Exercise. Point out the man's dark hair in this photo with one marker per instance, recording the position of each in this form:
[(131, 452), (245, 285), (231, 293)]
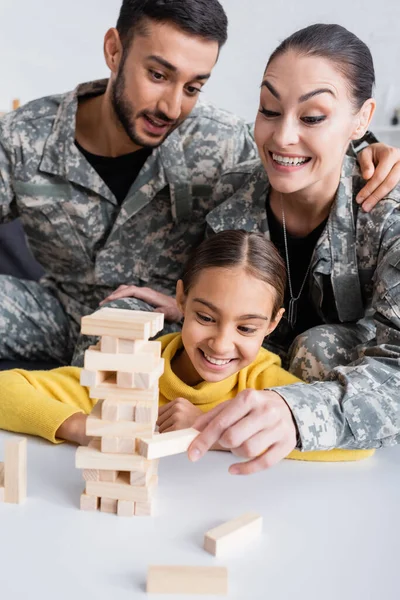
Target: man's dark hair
[(203, 18)]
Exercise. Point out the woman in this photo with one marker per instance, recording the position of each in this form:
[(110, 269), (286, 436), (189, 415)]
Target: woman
[(343, 264)]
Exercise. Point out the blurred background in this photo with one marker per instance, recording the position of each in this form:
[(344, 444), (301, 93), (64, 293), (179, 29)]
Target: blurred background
[(48, 46)]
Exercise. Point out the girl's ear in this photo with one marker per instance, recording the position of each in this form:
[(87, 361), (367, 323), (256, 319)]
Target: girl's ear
[(363, 119), (180, 296), (274, 324)]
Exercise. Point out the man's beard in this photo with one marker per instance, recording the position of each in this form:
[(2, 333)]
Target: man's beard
[(125, 114)]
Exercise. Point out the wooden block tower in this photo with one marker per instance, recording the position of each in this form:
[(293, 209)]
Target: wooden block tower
[(122, 371)]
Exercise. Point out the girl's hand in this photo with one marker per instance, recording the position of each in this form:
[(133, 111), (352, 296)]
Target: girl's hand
[(161, 302), (380, 164), (178, 414), (257, 425)]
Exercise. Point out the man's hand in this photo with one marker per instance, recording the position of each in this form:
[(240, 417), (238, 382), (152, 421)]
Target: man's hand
[(257, 425), (380, 164), (161, 302), (178, 414)]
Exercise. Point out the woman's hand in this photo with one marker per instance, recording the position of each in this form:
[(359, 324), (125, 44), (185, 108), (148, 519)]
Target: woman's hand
[(178, 414), (161, 302), (257, 425), (380, 164)]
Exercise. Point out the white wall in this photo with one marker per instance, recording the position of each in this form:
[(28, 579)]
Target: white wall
[(47, 46)]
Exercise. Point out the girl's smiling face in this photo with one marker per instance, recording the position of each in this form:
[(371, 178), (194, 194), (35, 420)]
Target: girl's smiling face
[(227, 314)]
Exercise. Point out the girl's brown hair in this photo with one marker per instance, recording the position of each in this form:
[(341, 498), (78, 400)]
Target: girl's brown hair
[(235, 248)]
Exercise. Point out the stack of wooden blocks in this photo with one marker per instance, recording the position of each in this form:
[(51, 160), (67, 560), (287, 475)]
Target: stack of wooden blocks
[(122, 371)]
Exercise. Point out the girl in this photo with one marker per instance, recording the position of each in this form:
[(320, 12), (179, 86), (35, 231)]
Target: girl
[(230, 294)]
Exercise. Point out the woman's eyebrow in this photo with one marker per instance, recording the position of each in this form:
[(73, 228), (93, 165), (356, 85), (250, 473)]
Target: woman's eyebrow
[(315, 93), (303, 98)]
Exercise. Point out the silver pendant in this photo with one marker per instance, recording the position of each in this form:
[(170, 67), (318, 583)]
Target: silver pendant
[(292, 312)]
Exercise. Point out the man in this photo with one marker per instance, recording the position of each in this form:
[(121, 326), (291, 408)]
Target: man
[(113, 181)]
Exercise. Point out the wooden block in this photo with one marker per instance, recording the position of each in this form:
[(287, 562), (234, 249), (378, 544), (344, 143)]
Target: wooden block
[(143, 380), (167, 444), (122, 490), (233, 534), (112, 413), (122, 429), (138, 478), (110, 391), (109, 505), (125, 508), (113, 345), (109, 344), (91, 475), (90, 457), (95, 360), (139, 347), (89, 502), (122, 323), (15, 470), (126, 445), (171, 579), (1, 482), (135, 316), (110, 476), (109, 445), (146, 413), (144, 509), (94, 378)]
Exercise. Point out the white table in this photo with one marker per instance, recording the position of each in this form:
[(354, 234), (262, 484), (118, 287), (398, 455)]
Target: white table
[(331, 531)]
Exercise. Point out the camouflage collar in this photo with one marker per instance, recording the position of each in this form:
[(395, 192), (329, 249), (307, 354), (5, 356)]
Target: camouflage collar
[(166, 165), (245, 209)]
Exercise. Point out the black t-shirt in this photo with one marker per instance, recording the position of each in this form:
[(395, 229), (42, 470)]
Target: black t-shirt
[(300, 250), (120, 172)]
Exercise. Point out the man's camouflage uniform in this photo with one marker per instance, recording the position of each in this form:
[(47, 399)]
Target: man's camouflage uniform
[(86, 242), (356, 263)]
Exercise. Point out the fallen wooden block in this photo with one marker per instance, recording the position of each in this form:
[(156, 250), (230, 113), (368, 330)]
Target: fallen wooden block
[(92, 458), (122, 490), (234, 534), (171, 579), (166, 444), (15, 470)]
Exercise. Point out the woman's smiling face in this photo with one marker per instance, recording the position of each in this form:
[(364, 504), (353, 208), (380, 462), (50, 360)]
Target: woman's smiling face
[(305, 122)]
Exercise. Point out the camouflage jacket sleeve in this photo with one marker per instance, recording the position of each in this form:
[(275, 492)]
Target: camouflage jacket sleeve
[(358, 406), (7, 200)]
